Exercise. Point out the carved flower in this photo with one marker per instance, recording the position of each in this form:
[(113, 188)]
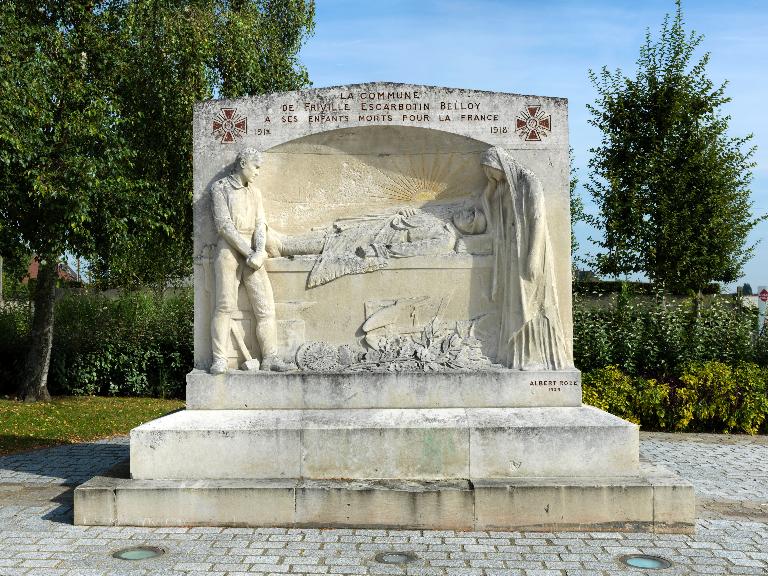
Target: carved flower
[(317, 356)]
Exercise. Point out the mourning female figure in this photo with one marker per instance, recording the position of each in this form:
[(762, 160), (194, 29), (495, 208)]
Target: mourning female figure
[(531, 335)]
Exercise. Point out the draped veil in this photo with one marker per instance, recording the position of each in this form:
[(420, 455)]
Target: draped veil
[(531, 335)]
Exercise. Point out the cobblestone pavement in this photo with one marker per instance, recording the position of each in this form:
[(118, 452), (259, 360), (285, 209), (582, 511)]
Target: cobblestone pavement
[(730, 475)]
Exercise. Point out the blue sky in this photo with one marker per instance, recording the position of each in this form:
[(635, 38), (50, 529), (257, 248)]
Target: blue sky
[(547, 48)]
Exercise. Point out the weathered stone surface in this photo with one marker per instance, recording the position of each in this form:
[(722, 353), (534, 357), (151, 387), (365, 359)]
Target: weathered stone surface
[(221, 444), (385, 504), (388, 443), (444, 443), (95, 503), (606, 503), (674, 503), (237, 390), (200, 503), (551, 504), (541, 442)]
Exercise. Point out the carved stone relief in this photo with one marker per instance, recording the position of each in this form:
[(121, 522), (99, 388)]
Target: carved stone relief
[(359, 244), (506, 221), (531, 335), (238, 214), (434, 349)]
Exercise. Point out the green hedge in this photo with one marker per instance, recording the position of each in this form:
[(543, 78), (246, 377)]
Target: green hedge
[(602, 287), (138, 344), (15, 320), (707, 397), (656, 338), (674, 365)]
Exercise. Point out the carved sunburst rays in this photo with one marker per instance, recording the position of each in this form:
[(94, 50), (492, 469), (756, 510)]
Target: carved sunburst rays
[(305, 191), (420, 178)]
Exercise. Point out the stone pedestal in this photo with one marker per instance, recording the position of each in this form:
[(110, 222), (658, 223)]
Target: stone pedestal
[(311, 450), (375, 444), (652, 500)]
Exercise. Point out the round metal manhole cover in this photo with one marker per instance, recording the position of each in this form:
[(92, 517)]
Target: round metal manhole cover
[(395, 557), (138, 553), (645, 562)]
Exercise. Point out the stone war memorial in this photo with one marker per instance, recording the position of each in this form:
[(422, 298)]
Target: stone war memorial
[(383, 329)]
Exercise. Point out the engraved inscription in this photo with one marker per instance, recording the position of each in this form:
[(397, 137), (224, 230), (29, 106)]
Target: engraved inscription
[(553, 385), (416, 107)]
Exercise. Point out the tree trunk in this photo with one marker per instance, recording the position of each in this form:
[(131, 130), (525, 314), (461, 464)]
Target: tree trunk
[(34, 383)]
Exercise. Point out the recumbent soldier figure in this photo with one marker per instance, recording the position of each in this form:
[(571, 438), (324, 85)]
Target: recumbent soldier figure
[(239, 219)]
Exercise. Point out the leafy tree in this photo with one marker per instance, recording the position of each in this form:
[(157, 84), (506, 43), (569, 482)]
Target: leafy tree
[(14, 266), (577, 204), (61, 158), (95, 129), (746, 290), (173, 54), (672, 187)]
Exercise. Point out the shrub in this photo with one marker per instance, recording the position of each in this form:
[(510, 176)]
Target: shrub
[(139, 344), (708, 397), (651, 403), (592, 347), (611, 390), (15, 319), (656, 338), (725, 398)]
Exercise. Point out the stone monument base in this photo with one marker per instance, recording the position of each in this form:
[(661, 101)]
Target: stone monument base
[(385, 444), (238, 390), (297, 457), (654, 500)]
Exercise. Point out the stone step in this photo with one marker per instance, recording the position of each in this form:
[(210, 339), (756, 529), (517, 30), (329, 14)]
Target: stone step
[(239, 390), (408, 444), (653, 500)]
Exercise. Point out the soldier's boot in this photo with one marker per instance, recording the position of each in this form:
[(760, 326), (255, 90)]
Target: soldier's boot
[(219, 366)]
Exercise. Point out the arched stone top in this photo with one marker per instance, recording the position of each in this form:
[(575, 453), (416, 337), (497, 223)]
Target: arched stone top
[(343, 156), (514, 121)]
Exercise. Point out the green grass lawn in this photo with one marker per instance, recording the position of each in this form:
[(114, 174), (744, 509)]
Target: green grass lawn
[(70, 419)]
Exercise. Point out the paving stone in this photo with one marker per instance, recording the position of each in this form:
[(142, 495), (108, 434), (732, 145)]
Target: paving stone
[(728, 471), (348, 570)]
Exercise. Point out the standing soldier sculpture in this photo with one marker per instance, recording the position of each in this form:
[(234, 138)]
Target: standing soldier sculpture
[(238, 215)]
